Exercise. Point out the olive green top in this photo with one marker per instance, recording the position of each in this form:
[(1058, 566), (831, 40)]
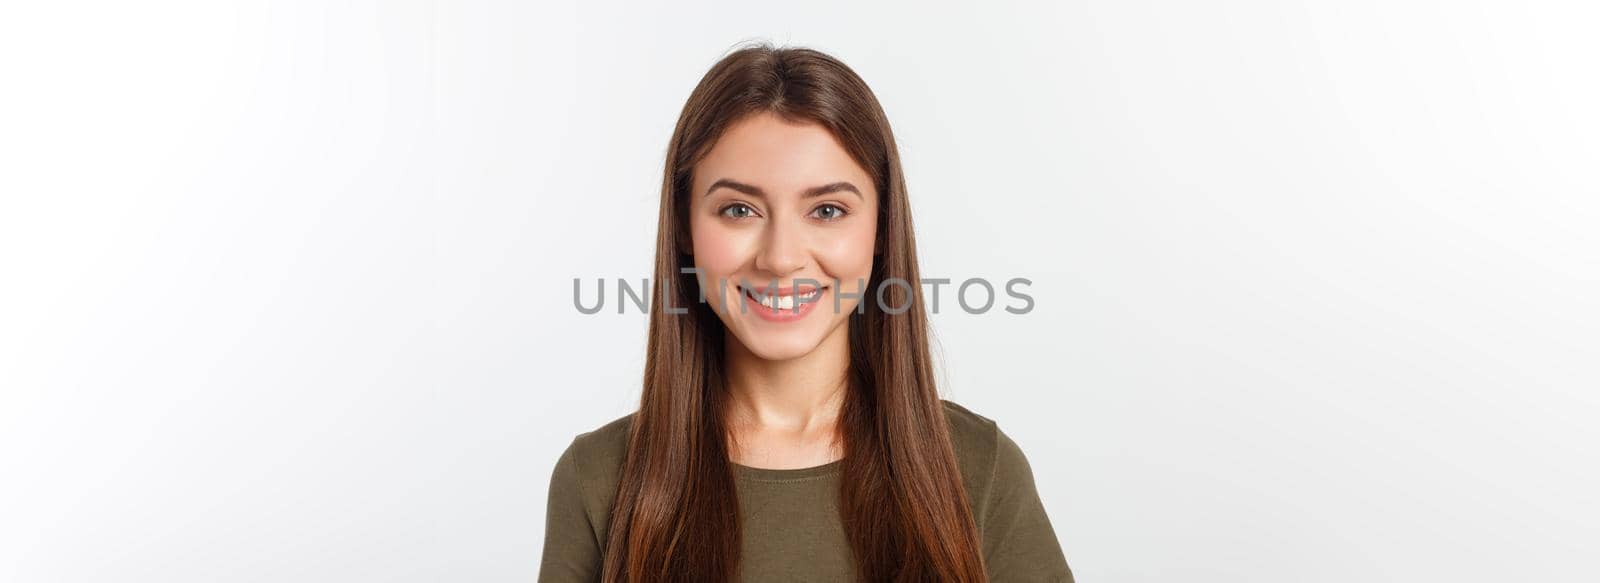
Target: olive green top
[(790, 526)]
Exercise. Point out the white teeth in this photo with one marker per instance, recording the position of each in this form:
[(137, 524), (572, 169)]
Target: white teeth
[(776, 302)]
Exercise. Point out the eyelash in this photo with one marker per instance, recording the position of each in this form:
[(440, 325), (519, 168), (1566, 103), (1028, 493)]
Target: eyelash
[(842, 212)]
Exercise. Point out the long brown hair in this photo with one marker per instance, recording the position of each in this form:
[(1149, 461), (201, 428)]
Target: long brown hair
[(902, 503)]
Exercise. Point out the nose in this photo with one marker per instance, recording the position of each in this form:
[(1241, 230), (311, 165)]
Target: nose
[(783, 250)]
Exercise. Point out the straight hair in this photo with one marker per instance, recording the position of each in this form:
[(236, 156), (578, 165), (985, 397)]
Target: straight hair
[(901, 498)]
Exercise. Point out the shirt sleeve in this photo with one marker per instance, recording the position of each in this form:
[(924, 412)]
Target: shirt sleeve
[(571, 549), (1019, 543)]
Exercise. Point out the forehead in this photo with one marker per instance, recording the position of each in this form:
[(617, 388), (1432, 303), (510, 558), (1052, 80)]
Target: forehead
[(781, 156)]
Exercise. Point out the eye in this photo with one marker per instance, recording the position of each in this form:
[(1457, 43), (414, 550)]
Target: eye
[(737, 210), (829, 212)]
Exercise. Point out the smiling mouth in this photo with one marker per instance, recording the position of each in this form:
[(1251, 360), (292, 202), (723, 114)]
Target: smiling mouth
[(776, 301)]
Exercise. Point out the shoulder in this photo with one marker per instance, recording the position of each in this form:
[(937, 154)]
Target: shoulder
[(593, 462), (603, 446), (989, 459), (975, 438), (973, 435), (1019, 542)]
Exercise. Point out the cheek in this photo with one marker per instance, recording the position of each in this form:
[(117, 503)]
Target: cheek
[(718, 249), (848, 254)]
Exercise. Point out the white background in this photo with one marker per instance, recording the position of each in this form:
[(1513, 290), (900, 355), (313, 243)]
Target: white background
[(286, 288)]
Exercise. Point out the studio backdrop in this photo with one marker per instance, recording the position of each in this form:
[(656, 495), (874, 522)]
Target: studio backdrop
[(287, 289)]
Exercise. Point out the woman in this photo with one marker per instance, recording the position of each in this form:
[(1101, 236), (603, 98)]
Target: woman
[(789, 427)]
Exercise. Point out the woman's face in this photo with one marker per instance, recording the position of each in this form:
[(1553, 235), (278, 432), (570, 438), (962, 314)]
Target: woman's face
[(781, 208)]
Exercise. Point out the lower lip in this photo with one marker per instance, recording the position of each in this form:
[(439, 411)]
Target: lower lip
[(782, 314)]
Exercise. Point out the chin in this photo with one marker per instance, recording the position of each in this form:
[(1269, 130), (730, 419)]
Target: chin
[(779, 348)]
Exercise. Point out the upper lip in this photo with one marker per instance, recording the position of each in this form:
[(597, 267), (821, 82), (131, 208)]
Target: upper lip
[(781, 291)]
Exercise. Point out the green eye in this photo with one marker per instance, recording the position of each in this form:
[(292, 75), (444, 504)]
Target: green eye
[(738, 210), (828, 212)]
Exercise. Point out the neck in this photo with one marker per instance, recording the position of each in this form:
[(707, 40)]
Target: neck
[(802, 394)]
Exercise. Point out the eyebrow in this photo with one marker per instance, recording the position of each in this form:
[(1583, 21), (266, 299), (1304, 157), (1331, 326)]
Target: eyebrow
[(814, 191)]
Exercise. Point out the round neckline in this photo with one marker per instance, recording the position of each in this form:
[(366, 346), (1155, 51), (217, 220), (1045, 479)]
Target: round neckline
[(786, 475)]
